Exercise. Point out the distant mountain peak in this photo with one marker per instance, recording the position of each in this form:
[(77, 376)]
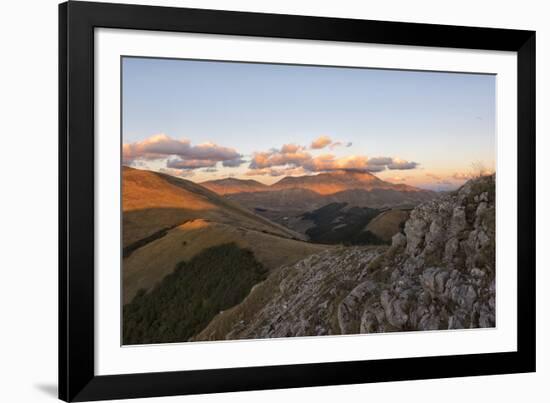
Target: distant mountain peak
[(338, 181)]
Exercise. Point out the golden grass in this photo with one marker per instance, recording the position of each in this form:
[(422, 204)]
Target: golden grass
[(146, 266), (145, 190), (387, 224), (152, 202)]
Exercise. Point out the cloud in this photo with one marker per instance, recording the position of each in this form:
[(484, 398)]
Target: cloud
[(277, 171), (291, 148), (320, 142), (161, 146), (380, 161), (154, 147), (402, 164), (286, 156), (329, 162), (276, 162), (233, 163), (340, 144), (181, 157)]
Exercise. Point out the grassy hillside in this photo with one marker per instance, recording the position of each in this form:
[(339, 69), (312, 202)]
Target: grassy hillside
[(153, 202), (187, 299), (147, 265), (388, 223)]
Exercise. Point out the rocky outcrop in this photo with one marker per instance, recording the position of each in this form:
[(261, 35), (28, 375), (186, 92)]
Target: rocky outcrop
[(442, 267), (438, 274)]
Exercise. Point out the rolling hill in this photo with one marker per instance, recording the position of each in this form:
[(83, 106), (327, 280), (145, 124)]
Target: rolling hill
[(167, 220)]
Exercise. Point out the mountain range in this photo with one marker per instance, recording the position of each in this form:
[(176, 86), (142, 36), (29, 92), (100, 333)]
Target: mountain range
[(326, 183), (286, 201)]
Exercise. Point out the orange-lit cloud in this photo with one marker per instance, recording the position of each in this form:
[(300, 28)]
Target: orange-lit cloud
[(291, 148), (320, 142), (292, 156), (177, 156), (161, 146), (287, 155)]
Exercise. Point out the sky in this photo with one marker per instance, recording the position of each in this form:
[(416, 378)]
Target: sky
[(206, 120)]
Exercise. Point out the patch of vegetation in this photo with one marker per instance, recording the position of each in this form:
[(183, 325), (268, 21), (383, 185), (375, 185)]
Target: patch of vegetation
[(336, 224), (186, 300)]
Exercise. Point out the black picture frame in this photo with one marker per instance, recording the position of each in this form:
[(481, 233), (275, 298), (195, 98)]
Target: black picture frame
[(77, 379)]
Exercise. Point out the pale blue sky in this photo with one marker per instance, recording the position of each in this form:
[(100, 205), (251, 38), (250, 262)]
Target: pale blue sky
[(443, 121)]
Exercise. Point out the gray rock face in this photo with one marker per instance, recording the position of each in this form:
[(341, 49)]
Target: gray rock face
[(448, 265), (439, 274)]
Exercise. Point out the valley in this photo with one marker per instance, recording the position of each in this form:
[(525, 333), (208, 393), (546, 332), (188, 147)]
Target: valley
[(294, 201)]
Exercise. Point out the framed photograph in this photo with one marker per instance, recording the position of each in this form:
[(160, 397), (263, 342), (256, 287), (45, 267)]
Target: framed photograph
[(257, 201)]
